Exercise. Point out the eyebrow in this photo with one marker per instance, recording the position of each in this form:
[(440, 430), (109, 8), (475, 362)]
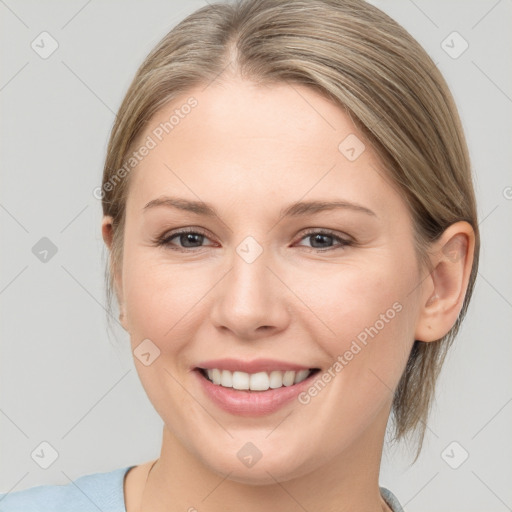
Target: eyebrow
[(293, 210)]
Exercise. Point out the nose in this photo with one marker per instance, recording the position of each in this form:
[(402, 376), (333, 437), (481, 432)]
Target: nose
[(250, 301)]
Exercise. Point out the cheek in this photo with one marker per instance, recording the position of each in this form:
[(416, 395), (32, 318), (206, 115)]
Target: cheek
[(369, 310), (161, 296), (372, 316), (353, 297), (161, 301)]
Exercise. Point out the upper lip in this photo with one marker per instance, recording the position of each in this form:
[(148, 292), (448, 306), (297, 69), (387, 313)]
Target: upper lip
[(254, 366)]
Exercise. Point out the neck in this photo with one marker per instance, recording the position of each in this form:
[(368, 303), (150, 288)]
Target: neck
[(180, 481)]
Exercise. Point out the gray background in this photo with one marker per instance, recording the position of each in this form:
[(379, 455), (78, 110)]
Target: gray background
[(66, 381)]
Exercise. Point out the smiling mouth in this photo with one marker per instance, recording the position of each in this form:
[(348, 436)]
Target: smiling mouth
[(260, 381)]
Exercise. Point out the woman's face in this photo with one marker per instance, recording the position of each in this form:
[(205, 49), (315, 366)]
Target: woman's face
[(336, 289)]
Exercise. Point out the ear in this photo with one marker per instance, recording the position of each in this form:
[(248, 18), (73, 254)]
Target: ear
[(107, 233), (444, 289)]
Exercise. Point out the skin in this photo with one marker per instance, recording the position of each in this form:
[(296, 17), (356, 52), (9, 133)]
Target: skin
[(250, 150)]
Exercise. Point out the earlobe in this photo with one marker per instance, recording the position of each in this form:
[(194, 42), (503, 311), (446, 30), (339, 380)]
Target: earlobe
[(122, 319), (445, 288)]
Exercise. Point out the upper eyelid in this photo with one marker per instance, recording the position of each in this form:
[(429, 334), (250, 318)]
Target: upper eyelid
[(310, 231)]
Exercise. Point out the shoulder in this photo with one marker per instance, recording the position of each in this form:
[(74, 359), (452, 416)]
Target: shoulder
[(96, 491), (391, 500)]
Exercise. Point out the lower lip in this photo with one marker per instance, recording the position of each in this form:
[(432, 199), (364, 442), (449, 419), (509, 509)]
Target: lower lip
[(251, 403)]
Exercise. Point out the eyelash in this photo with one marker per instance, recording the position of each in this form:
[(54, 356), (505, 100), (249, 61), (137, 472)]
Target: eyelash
[(165, 240)]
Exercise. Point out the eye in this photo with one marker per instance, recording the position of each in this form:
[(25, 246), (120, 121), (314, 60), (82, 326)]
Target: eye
[(319, 239), (189, 238), (193, 239)]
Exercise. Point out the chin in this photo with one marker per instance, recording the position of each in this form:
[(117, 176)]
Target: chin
[(278, 466), (258, 476)]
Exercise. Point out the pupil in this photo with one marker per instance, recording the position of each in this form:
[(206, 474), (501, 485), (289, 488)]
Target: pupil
[(189, 237), (318, 238)]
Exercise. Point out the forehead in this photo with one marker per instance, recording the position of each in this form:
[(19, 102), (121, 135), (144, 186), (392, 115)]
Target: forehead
[(238, 140)]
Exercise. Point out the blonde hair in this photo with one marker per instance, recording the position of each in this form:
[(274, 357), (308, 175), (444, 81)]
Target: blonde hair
[(356, 55)]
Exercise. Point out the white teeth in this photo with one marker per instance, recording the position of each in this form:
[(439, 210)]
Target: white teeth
[(276, 379), (216, 376), (288, 378), (301, 375), (260, 381), (226, 379), (240, 380)]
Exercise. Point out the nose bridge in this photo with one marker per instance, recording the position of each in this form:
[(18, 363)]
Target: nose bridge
[(250, 297), (249, 281)]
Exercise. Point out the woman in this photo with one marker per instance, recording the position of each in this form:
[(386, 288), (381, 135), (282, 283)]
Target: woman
[(293, 238)]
